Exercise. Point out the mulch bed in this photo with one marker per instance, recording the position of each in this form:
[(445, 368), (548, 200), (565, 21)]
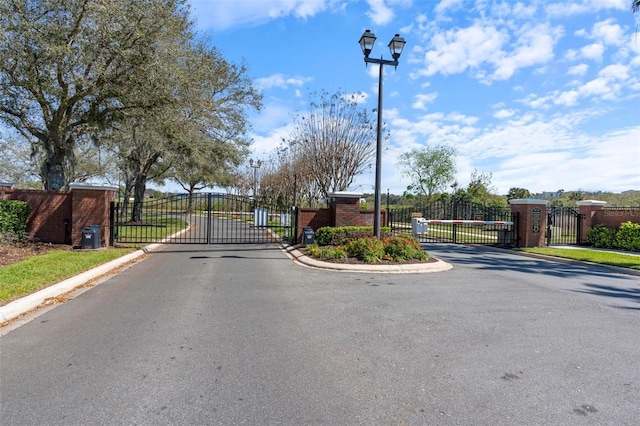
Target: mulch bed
[(14, 253), (355, 261)]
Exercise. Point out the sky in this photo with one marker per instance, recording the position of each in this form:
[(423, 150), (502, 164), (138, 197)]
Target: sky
[(544, 95)]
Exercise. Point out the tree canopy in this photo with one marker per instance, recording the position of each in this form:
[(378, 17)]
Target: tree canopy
[(430, 169)]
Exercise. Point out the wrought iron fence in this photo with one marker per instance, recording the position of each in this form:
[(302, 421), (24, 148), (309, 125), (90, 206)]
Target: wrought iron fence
[(458, 223)]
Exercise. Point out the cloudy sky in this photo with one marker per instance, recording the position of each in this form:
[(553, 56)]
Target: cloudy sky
[(545, 95)]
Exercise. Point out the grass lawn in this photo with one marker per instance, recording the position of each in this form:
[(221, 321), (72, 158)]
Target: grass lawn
[(604, 257), (38, 272)]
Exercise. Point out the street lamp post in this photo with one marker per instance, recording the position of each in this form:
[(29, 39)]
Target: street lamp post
[(255, 176), (395, 47)]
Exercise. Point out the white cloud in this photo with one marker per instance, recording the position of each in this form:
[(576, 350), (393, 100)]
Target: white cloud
[(446, 5), (421, 100), (569, 8), (615, 72), (281, 81), (220, 15), (609, 33), (484, 48), (580, 69), (504, 113), (593, 51), (456, 50), (534, 46), (380, 13)]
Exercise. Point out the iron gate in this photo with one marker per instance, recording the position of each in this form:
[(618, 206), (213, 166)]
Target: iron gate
[(563, 226), (202, 218), (458, 223)]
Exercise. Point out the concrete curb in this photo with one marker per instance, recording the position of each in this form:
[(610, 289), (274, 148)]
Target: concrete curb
[(411, 268)]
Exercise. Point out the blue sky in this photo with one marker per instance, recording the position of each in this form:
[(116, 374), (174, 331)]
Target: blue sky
[(543, 95)]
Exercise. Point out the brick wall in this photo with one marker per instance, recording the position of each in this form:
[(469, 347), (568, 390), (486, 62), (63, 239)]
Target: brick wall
[(59, 217), (50, 218), (595, 213), (315, 218)]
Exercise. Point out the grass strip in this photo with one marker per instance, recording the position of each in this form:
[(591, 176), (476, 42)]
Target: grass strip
[(38, 272), (595, 256)]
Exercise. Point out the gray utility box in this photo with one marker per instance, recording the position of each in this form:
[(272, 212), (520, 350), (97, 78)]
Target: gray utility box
[(308, 236), (91, 237), (419, 226)]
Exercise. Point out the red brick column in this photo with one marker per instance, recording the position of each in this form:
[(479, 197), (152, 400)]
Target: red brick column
[(91, 206), (587, 210), (532, 221), (346, 207)]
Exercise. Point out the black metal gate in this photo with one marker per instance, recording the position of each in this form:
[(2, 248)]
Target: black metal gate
[(563, 226), (458, 223), (202, 218)]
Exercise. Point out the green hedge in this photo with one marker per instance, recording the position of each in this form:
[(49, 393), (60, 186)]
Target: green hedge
[(14, 216), (329, 236), (626, 237)]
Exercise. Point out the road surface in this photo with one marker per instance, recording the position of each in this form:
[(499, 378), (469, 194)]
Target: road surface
[(232, 334)]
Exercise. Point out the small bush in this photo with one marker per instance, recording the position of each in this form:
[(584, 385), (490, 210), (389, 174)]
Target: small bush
[(14, 216), (628, 236), (602, 237), (402, 248), (369, 249), (330, 236)]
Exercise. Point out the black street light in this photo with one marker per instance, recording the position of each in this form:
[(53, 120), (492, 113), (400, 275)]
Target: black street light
[(255, 176), (395, 47)]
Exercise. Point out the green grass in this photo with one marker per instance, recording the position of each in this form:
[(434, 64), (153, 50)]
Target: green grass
[(161, 228), (38, 272), (595, 256)]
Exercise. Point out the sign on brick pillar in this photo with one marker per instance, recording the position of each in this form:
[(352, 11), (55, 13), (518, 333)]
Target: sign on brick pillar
[(90, 206), (532, 221)]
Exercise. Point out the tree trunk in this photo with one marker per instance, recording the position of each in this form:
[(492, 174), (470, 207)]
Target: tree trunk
[(53, 171), (139, 188)]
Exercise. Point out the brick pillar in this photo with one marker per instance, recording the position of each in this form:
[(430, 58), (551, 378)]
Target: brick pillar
[(90, 205), (587, 210), (532, 222), (346, 208)]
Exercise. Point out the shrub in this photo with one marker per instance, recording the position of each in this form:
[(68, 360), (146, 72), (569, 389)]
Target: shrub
[(601, 236), (402, 248), (628, 236), (369, 249), (332, 236), (14, 216)]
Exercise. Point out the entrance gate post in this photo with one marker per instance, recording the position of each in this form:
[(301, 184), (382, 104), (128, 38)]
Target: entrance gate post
[(532, 222)]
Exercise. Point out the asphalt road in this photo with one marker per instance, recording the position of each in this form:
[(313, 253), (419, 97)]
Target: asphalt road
[(228, 335)]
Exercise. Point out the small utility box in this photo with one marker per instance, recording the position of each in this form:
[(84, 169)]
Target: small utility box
[(91, 237), (308, 236), (419, 226), (260, 217)]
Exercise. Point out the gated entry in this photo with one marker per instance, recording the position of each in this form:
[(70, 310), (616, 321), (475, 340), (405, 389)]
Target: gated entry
[(458, 223), (203, 218), (563, 226)]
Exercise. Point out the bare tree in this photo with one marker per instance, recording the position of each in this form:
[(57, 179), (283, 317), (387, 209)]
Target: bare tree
[(335, 138)]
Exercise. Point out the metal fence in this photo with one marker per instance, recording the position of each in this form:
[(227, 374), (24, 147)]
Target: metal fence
[(458, 223)]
